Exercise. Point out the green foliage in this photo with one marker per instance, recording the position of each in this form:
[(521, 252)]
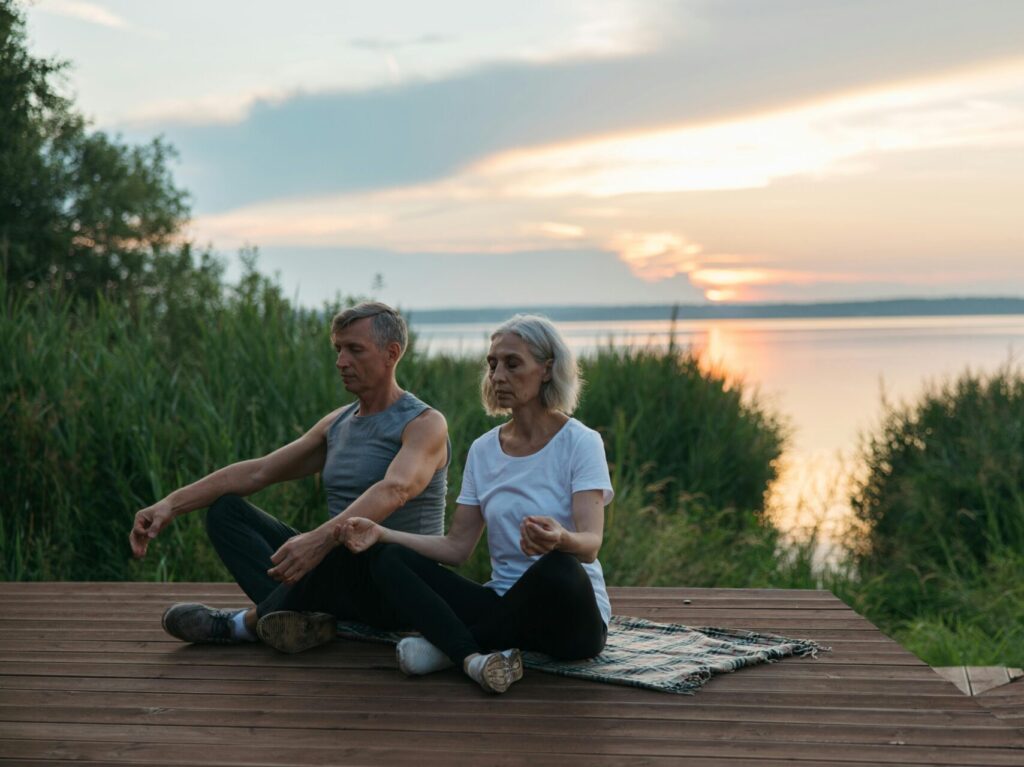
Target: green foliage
[(944, 486), (973, 617), (693, 431), (940, 564), (105, 414), (77, 207), (697, 545)]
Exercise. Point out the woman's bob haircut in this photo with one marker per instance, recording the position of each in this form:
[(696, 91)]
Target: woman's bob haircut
[(545, 343)]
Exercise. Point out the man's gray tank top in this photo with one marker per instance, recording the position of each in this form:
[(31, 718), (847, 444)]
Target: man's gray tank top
[(359, 451)]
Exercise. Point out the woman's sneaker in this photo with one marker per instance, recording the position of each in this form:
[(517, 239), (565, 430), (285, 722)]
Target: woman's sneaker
[(497, 671), (515, 663), (292, 632), (417, 656), (192, 622)]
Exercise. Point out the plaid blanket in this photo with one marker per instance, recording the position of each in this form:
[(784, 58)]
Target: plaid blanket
[(668, 657)]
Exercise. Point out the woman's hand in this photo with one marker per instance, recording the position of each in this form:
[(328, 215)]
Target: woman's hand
[(359, 533), (298, 555), (539, 535)]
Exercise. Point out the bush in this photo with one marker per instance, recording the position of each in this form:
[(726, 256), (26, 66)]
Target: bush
[(944, 485), (692, 430), (942, 512)]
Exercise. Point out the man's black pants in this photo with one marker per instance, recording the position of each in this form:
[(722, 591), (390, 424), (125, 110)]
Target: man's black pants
[(245, 537)]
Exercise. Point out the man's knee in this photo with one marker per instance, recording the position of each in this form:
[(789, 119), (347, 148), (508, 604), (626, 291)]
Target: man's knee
[(223, 512), (387, 559)]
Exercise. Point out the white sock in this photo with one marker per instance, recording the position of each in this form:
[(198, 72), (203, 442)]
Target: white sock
[(417, 655), (239, 630)]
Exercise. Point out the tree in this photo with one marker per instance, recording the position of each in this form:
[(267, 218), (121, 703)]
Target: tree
[(78, 208)]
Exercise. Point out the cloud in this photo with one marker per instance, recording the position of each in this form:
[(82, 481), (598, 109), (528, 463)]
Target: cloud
[(741, 59), (493, 205), (561, 231), (659, 256), (836, 135), (93, 13), (655, 256), (378, 44)]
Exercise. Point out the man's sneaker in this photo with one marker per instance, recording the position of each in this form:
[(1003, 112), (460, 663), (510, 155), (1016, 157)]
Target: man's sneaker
[(417, 655), (496, 672), (191, 622), (289, 631)]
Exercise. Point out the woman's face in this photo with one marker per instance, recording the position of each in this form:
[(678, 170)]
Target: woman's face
[(514, 374)]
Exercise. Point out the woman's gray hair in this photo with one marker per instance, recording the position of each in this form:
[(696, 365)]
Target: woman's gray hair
[(387, 326), (545, 343)]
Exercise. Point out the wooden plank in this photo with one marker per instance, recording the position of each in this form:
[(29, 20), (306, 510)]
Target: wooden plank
[(90, 610), (342, 655), (495, 720), (151, 632), (785, 626), (670, 709), (317, 663), (957, 675), (167, 589), (984, 678), (896, 751), (163, 596), (944, 699), (158, 641), (65, 751)]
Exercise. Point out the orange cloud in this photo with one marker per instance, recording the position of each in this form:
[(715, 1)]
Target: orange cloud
[(654, 256)]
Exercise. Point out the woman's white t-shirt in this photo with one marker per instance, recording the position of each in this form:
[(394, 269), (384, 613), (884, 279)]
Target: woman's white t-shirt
[(508, 488)]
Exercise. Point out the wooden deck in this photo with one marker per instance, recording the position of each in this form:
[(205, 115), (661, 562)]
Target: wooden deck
[(86, 674)]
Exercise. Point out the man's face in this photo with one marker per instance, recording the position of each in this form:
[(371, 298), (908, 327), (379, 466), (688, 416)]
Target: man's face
[(362, 365)]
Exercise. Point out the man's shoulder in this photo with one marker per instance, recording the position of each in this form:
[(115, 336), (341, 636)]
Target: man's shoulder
[(431, 418), (325, 423), (429, 424)]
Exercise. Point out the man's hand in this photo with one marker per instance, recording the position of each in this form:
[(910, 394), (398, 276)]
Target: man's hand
[(148, 524), (539, 535), (359, 534), (298, 555)]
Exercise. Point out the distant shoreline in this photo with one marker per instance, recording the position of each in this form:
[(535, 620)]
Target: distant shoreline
[(902, 307)]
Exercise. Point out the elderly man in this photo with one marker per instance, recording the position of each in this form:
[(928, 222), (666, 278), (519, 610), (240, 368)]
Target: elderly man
[(384, 457)]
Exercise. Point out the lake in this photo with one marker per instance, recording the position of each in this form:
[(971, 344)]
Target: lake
[(825, 376)]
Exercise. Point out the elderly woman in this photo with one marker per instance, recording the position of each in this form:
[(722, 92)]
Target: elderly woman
[(539, 483)]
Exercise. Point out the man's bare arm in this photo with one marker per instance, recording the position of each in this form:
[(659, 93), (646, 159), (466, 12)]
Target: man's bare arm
[(301, 458), (424, 450)]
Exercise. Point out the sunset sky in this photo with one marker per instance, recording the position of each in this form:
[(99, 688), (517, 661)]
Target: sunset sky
[(500, 153)]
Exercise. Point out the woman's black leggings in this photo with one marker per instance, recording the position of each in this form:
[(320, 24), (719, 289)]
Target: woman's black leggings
[(550, 609)]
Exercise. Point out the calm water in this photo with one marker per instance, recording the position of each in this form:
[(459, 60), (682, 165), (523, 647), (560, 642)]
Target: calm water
[(826, 377)]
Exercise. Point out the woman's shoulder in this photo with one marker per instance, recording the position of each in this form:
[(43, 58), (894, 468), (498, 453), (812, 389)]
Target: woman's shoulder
[(583, 442), (579, 430)]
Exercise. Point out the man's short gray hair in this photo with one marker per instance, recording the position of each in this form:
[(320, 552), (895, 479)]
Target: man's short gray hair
[(387, 326), (545, 343)]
